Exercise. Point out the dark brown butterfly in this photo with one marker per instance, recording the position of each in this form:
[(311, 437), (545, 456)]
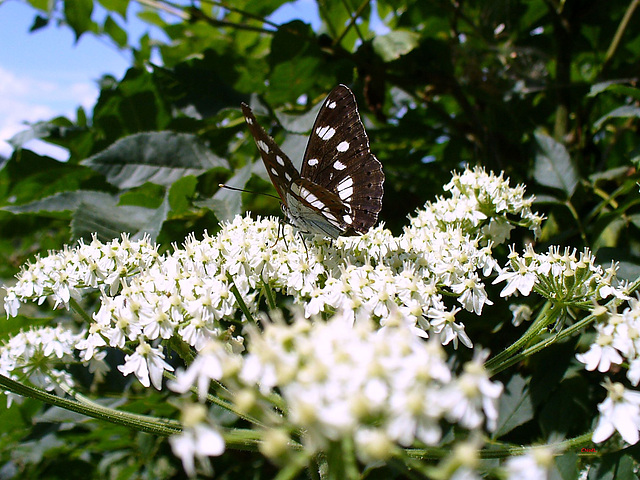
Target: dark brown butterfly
[(339, 189)]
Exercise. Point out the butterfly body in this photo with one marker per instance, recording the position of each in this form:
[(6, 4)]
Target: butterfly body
[(340, 186)]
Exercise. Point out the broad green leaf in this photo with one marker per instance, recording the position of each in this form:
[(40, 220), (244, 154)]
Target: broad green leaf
[(27, 177), (515, 406), (226, 203), (553, 166), (78, 15), (149, 195), (108, 220), (626, 111), (115, 31), (39, 130), (299, 123), (395, 44), (42, 5), (118, 6), (158, 157), (294, 146), (566, 466), (181, 194), (62, 202), (615, 86)]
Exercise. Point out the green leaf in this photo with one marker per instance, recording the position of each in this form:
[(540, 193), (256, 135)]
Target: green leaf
[(298, 123), (115, 31), (181, 194), (118, 6), (395, 44), (149, 195), (553, 166), (78, 15), (108, 220), (62, 202), (158, 157), (566, 466), (27, 176), (226, 203), (515, 407), (38, 23), (42, 5), (626, 111)]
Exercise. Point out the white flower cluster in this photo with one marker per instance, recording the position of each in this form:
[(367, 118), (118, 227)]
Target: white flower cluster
[(564, 277), (187, 292), (41, 357), (617, 343), (63, 275), (380, 387)]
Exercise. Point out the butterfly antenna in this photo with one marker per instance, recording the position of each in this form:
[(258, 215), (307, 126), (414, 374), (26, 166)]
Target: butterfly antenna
[(229, 187)]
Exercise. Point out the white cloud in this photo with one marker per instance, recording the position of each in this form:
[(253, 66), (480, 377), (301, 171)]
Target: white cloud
[(25, 99)]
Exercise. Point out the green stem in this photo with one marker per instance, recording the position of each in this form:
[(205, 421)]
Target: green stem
[(271, 301), (240, 300), (153, 425), (545, 317), (75, 306), (502, 450)]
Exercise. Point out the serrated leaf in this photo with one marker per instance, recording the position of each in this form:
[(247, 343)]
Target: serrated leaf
[(108, 221), (553, 166), (395, 44), (157, 157), (515, 407), (226, 203)]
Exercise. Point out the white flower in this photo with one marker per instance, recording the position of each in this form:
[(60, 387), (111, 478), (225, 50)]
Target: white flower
[(533, 465), (601, 354), (620, 411), (443, 324), (521, 313), (146, 363), (212, 361), (472, 398), (198, 439)]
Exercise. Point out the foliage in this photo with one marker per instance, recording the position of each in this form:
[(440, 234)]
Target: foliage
[(542, 90)]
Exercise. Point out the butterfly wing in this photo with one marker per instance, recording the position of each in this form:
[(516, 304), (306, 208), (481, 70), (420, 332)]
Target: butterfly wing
[(338, 158), (279, 167)]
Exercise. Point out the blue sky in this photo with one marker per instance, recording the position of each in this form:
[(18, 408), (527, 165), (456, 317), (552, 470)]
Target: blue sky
[(45, 73)]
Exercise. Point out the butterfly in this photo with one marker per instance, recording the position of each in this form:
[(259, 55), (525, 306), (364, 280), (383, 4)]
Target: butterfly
[(340, 186)]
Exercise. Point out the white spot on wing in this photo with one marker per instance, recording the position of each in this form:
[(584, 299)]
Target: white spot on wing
[(287, 176), (279, 160), (346, 182), (348, 219), (345, 188), (311, 198), (331, 105), (345, 193), (249, 120), (343, 146), (274, 171), (312, 162), (263, 146), (338, 165), (325, 133)]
